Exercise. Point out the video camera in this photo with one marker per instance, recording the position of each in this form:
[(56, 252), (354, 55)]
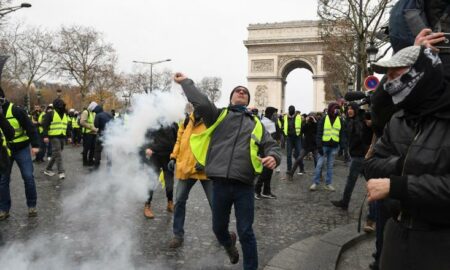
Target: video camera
[(359, 97)]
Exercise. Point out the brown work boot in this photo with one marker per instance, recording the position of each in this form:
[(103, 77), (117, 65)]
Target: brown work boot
[(170, 206), (369, 226), (148, 211)]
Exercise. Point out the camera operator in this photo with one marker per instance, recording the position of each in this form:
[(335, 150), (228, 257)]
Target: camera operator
[(359, 134)]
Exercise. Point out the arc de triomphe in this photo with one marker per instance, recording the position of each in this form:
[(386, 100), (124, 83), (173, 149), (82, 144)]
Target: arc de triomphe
[(274, 50)]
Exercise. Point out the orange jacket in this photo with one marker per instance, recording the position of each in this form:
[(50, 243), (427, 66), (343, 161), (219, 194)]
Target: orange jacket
[(182, 152)]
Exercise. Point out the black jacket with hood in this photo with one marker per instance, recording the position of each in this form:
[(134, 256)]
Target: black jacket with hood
[(414, 151)]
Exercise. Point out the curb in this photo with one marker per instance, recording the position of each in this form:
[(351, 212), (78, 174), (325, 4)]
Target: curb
[(317, 252)]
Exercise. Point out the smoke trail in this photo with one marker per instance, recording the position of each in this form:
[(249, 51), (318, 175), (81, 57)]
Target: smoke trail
[(94, 231)]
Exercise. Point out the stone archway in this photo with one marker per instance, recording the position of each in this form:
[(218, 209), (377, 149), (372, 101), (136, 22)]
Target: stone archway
[(274, 50)]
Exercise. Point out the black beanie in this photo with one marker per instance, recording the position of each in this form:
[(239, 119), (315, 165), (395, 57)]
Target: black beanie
[(269, 111), (240, 86)]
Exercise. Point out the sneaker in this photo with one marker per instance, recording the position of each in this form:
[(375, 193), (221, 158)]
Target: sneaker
[(278, 170), (258, 196), (232, 251), (170, 206), (49, 158), (32, 212), (148, 211), (62, 176), (4, 215), (49, 173), (313, 187), (301, 173), (268, 196), (340, 204), (369, 226), (329, 188), (176, 242)]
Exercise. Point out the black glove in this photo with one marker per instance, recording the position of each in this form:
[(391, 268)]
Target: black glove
[(320, 150), (171, 165)]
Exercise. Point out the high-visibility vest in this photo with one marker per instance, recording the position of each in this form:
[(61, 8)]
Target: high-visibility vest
[(4, 143), (40, 119), (75, 122), (200, 142), (90, 120), (279, 123), (19, 133), (298, 125), (58, 126), (331, 132)]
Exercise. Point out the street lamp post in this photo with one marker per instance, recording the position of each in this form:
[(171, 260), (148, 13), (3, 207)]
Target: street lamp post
[(151, 70), (372, 52), (6, 10)]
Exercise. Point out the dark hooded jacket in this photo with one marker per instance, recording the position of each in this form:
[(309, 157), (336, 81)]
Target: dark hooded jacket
[(414, 151), (359, 135), (161, 140), (101, 119)]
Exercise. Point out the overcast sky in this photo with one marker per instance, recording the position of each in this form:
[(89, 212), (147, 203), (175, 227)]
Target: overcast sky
[(202, 37)]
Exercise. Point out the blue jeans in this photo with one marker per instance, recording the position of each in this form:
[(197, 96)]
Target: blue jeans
[(181, 196), (292, 143), (226, 193), (329, 153), (25, 163)]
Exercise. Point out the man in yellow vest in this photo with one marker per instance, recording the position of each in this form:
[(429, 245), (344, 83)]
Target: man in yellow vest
[(76, 129), (6, 134), (25, 134), (292, 130), (55, 130), (330, 135), (89, 134), (233, 150)]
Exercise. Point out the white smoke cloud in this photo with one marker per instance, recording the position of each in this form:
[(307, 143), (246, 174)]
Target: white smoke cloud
[(95, 232)]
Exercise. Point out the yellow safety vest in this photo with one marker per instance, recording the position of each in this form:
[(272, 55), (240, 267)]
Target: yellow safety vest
[(40, 118), (90, 120), (75, 122), (4, 143), (331, 132), (19, 133), (200, 142), (298, 125), (58, 126)]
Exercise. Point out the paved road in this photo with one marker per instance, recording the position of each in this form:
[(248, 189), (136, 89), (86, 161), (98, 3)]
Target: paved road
[(295, 215)]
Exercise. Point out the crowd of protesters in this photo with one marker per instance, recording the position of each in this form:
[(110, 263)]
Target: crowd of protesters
[(400, 144)]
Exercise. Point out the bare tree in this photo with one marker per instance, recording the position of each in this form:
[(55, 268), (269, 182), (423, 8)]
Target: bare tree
[(347, 27), (82, 53), (139, 81), (106, 84), (31, 57), (211, 87)]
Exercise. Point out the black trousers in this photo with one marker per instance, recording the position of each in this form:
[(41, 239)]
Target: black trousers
[(415, 249), (88, 147), (158, 163), (263, 181)]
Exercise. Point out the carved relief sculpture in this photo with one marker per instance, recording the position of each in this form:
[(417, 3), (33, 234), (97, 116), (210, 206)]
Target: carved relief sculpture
[(263, 65), (261, 96)]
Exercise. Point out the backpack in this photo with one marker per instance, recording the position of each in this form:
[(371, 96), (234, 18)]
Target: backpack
[(406, 20)]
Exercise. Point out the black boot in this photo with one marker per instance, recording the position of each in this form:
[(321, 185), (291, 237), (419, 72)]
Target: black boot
[(340, 204)]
